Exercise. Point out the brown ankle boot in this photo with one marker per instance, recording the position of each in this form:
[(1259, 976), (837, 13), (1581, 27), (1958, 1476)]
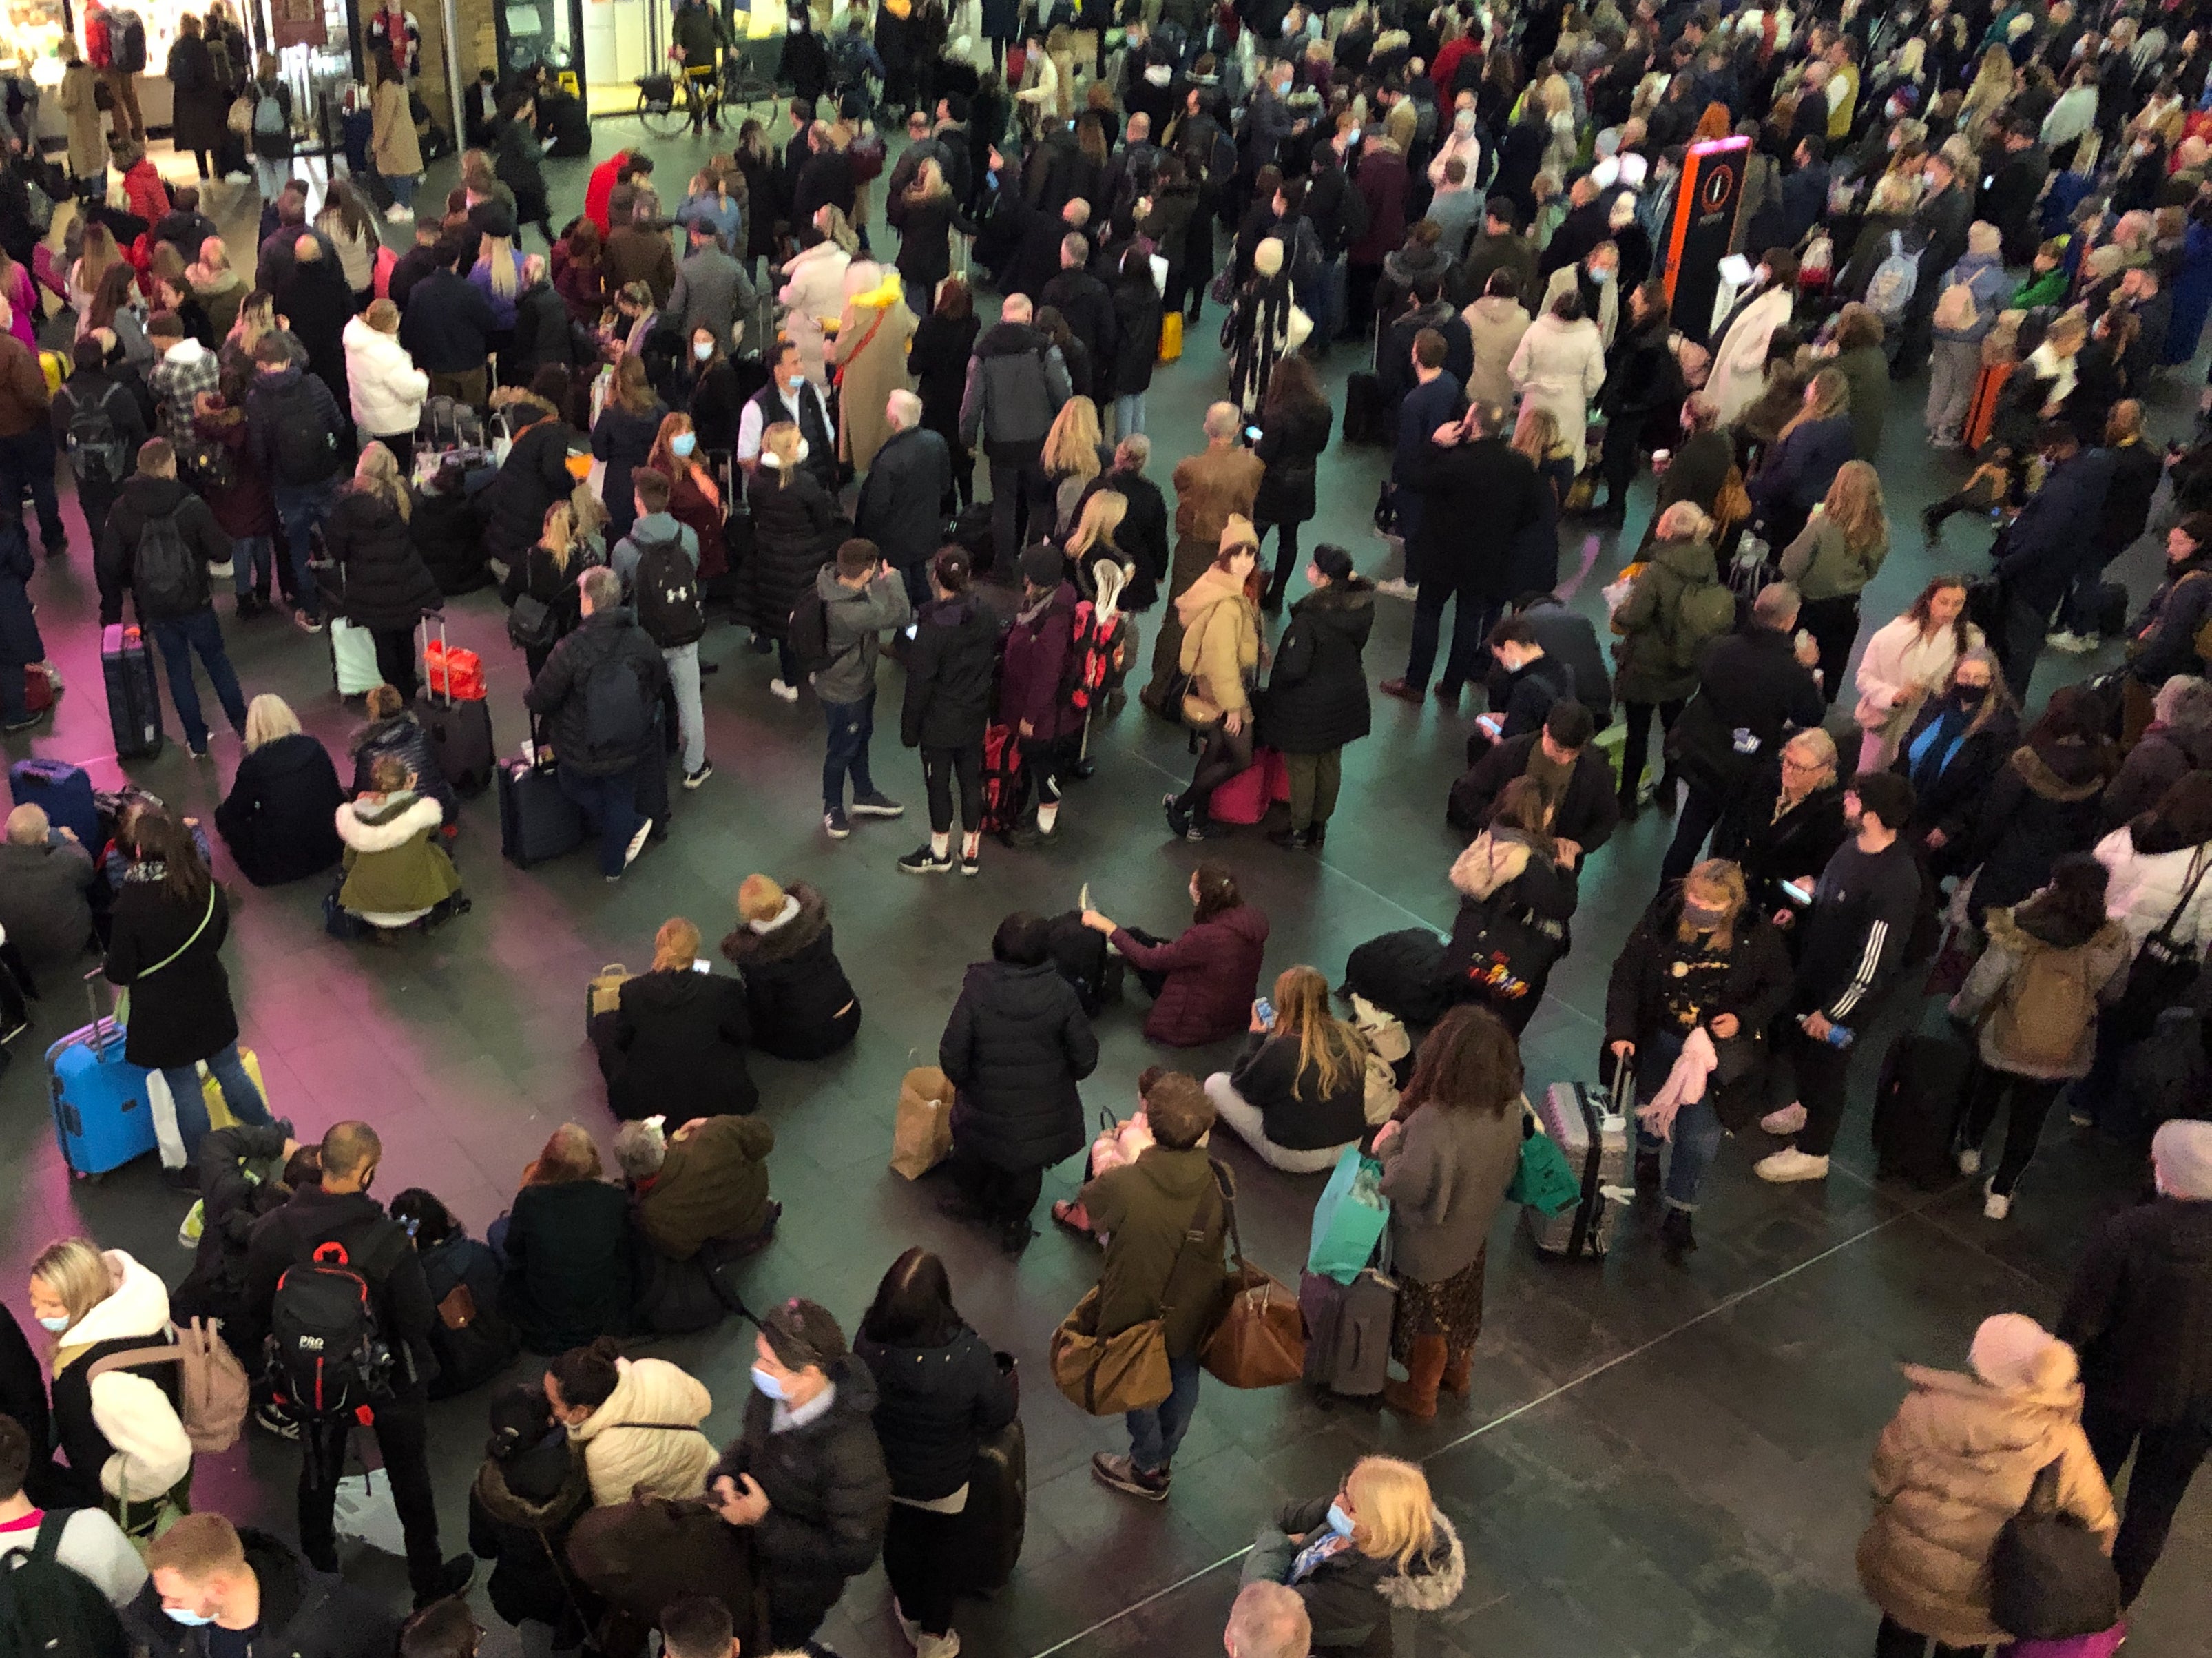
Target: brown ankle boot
[(1455, 1376), (1416, 1396)]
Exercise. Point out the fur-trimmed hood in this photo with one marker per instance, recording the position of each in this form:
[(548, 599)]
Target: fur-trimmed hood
[(1495, 858), (570, 1493), (389, 823), (2065, 773), (744, 947), (1431, 1581)]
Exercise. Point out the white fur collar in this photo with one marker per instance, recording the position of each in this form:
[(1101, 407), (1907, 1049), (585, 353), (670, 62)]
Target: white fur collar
[(423, 814), (790, 910)]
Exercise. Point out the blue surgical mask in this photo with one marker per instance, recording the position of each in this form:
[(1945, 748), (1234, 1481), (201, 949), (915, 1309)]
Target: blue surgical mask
[(1600, 276), (767, 1384), (56, 1325), (682, 443), (1338, 1521), (189, 1619), (702, 349)]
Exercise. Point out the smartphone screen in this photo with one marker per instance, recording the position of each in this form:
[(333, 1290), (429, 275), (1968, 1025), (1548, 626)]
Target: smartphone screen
[(1266, 1009), (1796, 894)]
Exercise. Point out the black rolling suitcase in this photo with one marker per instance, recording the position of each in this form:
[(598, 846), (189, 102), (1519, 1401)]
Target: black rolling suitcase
[(537, 821), (1916, 1103), (997, 1513), (134, 704), (1348, 1331), (1365, 412), (459, 728)]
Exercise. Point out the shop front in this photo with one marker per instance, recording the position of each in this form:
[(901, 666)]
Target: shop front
[(598, 48)]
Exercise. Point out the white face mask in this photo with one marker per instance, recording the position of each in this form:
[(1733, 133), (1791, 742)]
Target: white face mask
[(1463, 123)]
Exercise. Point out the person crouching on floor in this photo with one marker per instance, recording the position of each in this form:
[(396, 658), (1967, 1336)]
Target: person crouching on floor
[(396, 873)]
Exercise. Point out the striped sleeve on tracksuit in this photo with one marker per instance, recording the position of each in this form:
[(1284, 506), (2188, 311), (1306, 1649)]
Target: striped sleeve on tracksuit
[(1854, 938)]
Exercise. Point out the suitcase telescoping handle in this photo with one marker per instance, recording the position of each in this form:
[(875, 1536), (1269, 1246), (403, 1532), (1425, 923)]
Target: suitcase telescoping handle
[(444, 659), (92, 981)]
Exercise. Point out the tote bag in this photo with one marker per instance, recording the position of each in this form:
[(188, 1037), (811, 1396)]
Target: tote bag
[(1349, 1220), (1261, 1340)]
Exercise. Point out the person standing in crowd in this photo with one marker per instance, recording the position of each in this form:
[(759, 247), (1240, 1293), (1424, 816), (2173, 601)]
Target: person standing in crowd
[(861, 597), (1316, 699), (667, 601), (2177, 741), (940, 1394), (381, 582), (1794, 475), (1839, 551), (809, 1483), (1016, 384), (1907, 661), (1267, 1621), (899, 505), (1852, 941), (295, 429), (231, 1588), (949, 669), (90, 1544), (1952, 754), (1034, 666), (1214, 488), (387, 388), (1016, 1045), (1219, 652), (339, 1211), (1672, 609), (1971, 295), (89, 397), (2043, 546), (1379, 1546), (635, 1423), (45, 914), (1294, 431)]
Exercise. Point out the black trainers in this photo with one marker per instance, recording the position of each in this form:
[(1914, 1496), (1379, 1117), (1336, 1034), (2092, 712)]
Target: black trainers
[(876, 805), (1124, 1475), (923, 862), (693, 779), (453, 1578), (834, 824), (971, 863)]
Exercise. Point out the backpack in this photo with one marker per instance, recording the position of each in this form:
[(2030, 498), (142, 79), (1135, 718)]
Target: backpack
[(164, 575), (207, 466), (616, 716), (269, 120), (1955, 310), (2047, 1003), (1094, 653), (667, 589), (94, 447), (1889, 292), (128, 50), (306, 452), (1705, 610), (49, 1611), (807, 633), (213, 1391), (326, 1359)]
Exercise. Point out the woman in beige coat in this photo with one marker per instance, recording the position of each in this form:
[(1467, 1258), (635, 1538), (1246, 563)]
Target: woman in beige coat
[(1956, 1462), (87, 143), (1221, 653), (1559, 365), (637, 1420), (392, 146), (870, 353)]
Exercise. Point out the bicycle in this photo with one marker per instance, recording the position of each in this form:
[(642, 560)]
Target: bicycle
[(670, 105)]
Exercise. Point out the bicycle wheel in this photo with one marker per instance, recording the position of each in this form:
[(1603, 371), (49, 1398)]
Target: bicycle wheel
[(664, 123)]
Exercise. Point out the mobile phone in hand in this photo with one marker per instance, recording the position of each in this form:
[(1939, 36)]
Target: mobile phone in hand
[(1264, 1010)]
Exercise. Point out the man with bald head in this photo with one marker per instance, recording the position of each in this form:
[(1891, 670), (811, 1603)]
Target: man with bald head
[(902, 498), (45, 874), (338, 1223), (1268, 1620), (1221, 481), (1016, 384)]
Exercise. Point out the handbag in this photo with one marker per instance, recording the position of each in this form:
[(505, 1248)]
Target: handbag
[(1732, 503), (532, 624), (2162, 970), (2049, 1578), (921, 1130), (1109, 1376), (1259, 1340), (1349, 1220)]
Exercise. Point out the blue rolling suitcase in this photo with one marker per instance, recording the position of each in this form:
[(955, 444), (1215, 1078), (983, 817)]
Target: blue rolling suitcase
[(64, 792), (102, 1118), (134, 705)]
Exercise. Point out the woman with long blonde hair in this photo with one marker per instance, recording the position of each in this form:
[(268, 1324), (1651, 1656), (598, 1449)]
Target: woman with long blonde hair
[(1071, 457), (1380, 1543), (547, 573), (386, 587), (1092, 541), (1297, 1095), (1799, 465), (1839, 551)]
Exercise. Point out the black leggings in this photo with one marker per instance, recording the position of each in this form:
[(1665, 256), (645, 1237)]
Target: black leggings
[(923, 1553), (941, 768), (1286, 555), (1225, 754), (1636, 716)]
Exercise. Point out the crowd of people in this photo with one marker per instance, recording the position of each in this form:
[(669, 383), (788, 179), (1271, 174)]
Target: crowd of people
[(737, 412)]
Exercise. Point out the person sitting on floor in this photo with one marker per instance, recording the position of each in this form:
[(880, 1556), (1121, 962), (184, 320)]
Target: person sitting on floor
[(566, 1243), (1297, 1095), (276, 818), (393, 728), (244, 1172), (803, 1006), (46, 879), (471, 1341), (677, 1034), (396, 873), (704, 1187), (1202, 984), (1561, 757)]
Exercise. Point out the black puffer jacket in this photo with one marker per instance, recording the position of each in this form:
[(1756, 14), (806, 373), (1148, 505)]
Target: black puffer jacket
[(1015, 1047), (304, 1613), (449, 532), (402, 736), (534, 475), (949, 670), (2140, 1312), (182, 1014), (1771, 849), (381, 580), (795, 985), (2042, 804), (796, 530), (829, 1494), (1290, 449), (681, 1035), (559, 694), (1317, 696), (933, 1405), (521, 1512), (1948, 793), (279, 819)]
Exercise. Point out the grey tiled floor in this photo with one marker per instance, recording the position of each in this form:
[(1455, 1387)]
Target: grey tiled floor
[(1653, 1461)]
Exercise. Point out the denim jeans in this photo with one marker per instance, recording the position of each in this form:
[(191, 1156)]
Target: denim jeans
[(253, 558), (304, 507), (1155, 1433), (402, 186), (240, 1097), (1128, 414), (27, 460), (271, 175), (177, 637), (691, 713), (1696, 1130), (610, 804), (850, 725)]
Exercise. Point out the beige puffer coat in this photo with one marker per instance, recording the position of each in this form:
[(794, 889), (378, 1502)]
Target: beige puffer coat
[(1220, 646), (644, 1439), (1954, 1464)]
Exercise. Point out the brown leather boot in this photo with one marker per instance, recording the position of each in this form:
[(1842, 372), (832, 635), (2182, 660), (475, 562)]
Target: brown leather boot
[(1454, 1379), (1416, 1396)]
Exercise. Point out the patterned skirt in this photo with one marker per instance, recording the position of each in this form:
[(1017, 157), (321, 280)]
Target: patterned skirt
[(1450, 1307)]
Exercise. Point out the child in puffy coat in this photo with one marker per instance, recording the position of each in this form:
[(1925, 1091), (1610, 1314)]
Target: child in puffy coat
[(396, 873)]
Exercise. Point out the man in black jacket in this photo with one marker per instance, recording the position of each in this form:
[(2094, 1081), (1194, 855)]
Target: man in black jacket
[(100, 467), (805, 1475), (2040, 550), (294, 428), (245, 1592), (445, 328), (2136, 468), (1569, 639), (2014, 179), (1534, 681), (1499, 247), (2139, 1316), (1576, 779), (340, 1212), (1752, 686), (599, 697), (898, 505), (1084, 301), (160, 538)]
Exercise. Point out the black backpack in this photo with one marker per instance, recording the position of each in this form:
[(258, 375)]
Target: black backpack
[(808, 631), (168, 577), (94, 447), (667, 589), (128, 49), (326, 1359), (307, 451), (49, 1611), (616, 716)]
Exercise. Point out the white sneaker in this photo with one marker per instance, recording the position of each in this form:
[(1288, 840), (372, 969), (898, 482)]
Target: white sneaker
[(1791, 1164), (2068, 641), (1397, 587), (399, 213), (1788, 1120), (637, 843), (1969, 1161), (787, 692), (1996, 1204)]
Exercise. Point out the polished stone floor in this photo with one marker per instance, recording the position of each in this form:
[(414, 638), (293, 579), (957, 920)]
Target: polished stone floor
[(1655, 1460)]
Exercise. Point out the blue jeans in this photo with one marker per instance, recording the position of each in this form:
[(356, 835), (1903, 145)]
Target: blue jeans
[(1697, 1134), (402, 186), (176, 637), (240, 1097), (304, 507), (610, 804), (1155, 1433), (252, 558), (1128, 414), (850, 726)]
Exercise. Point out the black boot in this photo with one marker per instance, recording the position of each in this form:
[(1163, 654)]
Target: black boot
[(1628, 802), (1647, 1173), (1676, 1238)]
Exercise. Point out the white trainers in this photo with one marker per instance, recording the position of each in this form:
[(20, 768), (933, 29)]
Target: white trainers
[(1791, 1119), (1397, 587), (637, 843), (1970, 1160), (1791, 1164), (2068, 641), (1996, 1204), (788, 693)]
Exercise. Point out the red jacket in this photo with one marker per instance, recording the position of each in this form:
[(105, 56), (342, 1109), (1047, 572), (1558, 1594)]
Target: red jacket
[(1213, 973), (1446, 67), (98, 50), (148, 196), (601, 186)]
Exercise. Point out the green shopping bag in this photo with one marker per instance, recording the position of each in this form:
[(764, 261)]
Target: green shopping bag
[(1348, 1221), (1543, 1180)]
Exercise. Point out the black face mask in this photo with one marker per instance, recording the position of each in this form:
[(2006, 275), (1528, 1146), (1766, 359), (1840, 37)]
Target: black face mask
[(1969, 696)]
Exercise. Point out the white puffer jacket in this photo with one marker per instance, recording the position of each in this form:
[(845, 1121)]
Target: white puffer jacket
[(646, 1436), (387, 389), (150, 1451), (2143, 887)]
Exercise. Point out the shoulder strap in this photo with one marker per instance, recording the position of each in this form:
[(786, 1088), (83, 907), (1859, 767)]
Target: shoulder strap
[(1196, 1227), (194, 938), (45, 1550), (2198, 863), (171, 1354)]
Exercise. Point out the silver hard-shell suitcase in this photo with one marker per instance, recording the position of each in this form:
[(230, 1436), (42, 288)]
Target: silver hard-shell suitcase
[(1574, 1115)]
